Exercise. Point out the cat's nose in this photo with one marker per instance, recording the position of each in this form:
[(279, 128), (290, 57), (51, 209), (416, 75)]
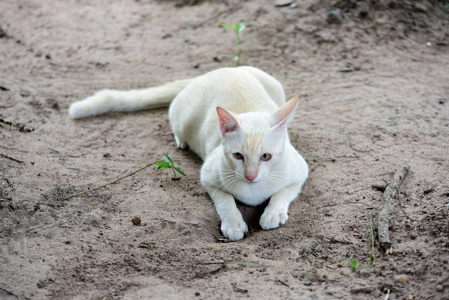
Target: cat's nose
[(250, 177)]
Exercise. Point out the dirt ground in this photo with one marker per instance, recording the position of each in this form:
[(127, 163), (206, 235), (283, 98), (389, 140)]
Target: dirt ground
[(374, 94)]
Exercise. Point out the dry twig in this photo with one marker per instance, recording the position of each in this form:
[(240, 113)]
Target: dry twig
[(384, 209), (109, 183), (11, 158), (352, 146)]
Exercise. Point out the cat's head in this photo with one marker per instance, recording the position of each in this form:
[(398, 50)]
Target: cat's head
[(254, 142)]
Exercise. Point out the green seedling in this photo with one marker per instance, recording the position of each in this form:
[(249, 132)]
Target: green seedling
[(355, 265), (371, 261), (239, 27), (167, 163)]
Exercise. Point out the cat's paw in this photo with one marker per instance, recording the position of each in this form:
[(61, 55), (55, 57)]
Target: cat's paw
[(272, 218), (234, 230), (180, 144)]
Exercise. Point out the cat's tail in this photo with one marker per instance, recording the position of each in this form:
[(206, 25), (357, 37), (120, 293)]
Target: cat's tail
[(112, 100)]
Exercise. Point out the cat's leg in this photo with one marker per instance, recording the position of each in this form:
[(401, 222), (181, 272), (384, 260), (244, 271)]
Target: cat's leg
[(276, 211), (232, 224), (180, 144)]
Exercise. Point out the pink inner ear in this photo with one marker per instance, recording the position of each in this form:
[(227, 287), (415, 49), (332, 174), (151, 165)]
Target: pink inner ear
[(285, 113), (227, 122)]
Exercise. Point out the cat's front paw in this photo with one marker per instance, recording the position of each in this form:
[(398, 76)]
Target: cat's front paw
[(234, 230), (272, 218)]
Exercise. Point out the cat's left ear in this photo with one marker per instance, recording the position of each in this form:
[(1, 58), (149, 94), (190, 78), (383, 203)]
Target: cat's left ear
[(284, 115)]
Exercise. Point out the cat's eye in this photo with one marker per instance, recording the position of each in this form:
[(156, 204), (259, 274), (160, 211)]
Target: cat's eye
[(237, 155), (265, 157)]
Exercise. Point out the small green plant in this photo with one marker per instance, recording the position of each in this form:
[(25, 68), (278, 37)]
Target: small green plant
[(355, 265), (239, 27), (167, 163), (371, 261)]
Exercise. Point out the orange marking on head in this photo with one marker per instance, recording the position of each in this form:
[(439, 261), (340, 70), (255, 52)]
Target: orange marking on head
[(253, 142)]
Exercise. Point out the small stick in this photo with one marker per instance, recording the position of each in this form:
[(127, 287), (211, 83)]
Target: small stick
[(281, 282), (384, 208), (109, 183), (11, 158), (352, 146), (12, 294)]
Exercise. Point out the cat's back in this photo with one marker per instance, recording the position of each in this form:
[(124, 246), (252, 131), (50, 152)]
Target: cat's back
[(239, 90)]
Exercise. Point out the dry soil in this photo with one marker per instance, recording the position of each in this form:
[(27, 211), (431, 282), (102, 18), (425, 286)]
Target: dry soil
[(374, 94)]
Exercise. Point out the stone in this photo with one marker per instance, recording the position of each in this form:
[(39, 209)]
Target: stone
[(93, 217), (402, 278), (280, 3), (334, 16), (421, 7), (362, 9), (136, 221)]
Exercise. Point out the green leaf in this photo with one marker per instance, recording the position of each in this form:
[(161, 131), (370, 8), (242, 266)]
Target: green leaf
[(235, 58), (353, 264), (244, 263), (239, 27), (168, 159), (228, 26), (179, 171), (163, 165)]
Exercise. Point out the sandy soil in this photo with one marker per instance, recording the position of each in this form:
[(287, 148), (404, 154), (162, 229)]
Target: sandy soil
[(354, 128)]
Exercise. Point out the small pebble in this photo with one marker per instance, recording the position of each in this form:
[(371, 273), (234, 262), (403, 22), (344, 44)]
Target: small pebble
[(362, 9), (41, 284), (346, 70), (402, 278), (428, 191), (307, 283), (93, 218), (379, 186), (421, 7), (136, 221), (334, 16), (280, 3), (441, 101), (440, 288)]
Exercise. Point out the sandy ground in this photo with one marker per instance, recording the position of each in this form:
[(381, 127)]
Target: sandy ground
[(354, 128)]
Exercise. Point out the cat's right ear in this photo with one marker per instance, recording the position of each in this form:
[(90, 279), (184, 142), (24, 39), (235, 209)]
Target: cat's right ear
[(284, 114), (227, 122)]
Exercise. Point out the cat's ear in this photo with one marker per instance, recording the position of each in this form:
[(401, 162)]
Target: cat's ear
[(284, 114), (227, 121)]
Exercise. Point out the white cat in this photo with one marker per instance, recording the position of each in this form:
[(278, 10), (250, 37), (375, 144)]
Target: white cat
[(235, 119)]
